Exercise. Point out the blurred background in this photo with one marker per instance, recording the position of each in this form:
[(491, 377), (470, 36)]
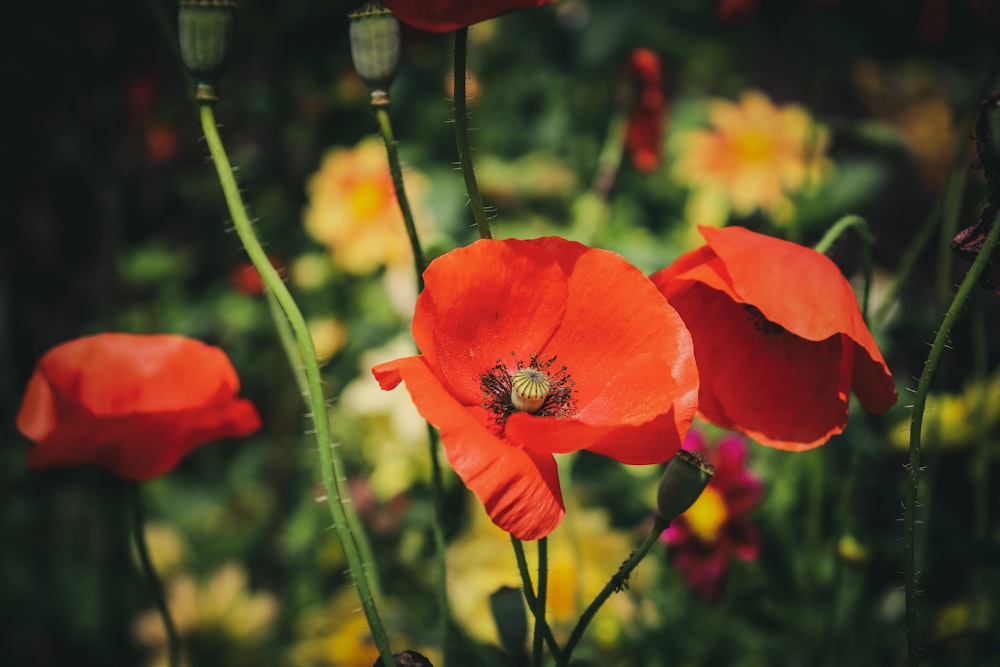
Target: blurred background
[(113, 221)]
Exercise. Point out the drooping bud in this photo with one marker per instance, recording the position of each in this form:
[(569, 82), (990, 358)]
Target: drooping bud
[(205, 29), (407, 659), (529, 388), (686, 476), (970, 241), (375, 48)]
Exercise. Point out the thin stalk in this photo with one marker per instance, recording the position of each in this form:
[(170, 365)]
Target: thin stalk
[(462, 136), (330, 466), (543, 583), (420, 263), (832, 234), (610, 159), (151, 577), (909, 259), (396, 169), (916, 424), (616, 583), (437, 491), (950, 213), (529, 595)]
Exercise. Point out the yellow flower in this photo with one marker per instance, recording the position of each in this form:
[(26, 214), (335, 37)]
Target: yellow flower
[(328, 337), (337, 635), (754, 156), (394, 438), (167, 549), (219, 611), (583, 553), (952, 421), (352, 208)]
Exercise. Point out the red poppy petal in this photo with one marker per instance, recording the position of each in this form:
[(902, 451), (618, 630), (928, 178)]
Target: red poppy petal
[(518, 487), (141, 447), (819, 303), (631, 359), (134, 405), (448, 15), (137, 373), (487, 300), (781, 390)]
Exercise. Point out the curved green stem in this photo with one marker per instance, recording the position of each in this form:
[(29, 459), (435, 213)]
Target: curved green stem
[(330, 466), (832, 234), (152, 579), (462, 136), (396, 169), (618, 581), (529, 595), (916, 424)]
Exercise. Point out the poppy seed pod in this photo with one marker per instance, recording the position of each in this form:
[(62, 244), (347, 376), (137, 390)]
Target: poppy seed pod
[(375, 48), (686, 476), (205, 29)]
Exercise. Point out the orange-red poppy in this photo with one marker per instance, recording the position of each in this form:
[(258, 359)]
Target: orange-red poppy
[(134, 405), (644, 133), (448, 15), (778, 336), (533, 348)]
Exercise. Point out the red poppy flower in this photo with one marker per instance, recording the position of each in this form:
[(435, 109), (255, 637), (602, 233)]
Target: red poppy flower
[(778, 336), (717, 528), (533, 348), (135, 405), (448, 15), (644, 135), (246, 280)]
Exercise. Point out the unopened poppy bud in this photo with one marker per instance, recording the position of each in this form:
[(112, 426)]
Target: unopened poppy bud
[(407, 659), (529, 387), (375, 48), (205, 29), (686, 476)]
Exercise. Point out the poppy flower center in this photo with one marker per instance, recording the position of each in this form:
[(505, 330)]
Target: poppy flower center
[(536, 388)]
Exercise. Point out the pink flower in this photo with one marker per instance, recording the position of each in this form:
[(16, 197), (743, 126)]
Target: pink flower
[(717, 528)]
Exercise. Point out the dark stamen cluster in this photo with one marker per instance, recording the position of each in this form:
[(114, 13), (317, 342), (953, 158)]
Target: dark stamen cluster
[(761, 323), (496, 387)]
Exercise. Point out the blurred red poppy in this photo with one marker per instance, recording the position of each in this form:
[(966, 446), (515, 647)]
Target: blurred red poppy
[(245, 279), (644, 134), (705, 539), (448, 15), (778, 336), (134, 405), (532, 348)]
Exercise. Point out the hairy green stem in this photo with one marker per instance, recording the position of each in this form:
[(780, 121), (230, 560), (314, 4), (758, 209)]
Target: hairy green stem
[(835, 231), (330, 466), (396, 169), (151, 576), (916, 424), (617, 582), (420, 263), (529, 595), (462, 136)]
